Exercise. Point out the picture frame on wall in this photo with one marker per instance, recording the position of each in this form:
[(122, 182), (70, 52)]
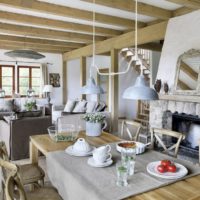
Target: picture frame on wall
[(54, 79)]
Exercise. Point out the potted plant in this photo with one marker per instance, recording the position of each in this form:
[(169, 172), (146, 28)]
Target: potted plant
[(94, 123), (30, 105)]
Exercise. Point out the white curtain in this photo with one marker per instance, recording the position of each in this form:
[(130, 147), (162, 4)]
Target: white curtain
[(44, 77)]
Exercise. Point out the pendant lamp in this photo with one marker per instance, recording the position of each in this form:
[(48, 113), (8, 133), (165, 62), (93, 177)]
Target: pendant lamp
[(24, 53), (140, 90), (91, 87)]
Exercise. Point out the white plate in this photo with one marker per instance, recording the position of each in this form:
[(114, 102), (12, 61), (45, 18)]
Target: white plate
[(92, 163), (69, 150), (140, 147), (180, 172)]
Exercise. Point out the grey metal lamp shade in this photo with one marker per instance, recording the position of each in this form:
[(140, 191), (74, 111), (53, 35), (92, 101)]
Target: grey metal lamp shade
[(91, 87), (24, 53), (140, 91)]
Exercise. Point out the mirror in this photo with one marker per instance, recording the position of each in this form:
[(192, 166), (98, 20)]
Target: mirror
[(187, 75)]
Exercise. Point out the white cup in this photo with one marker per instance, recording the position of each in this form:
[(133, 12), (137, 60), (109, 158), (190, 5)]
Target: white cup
[(103, 149), (100, 159)]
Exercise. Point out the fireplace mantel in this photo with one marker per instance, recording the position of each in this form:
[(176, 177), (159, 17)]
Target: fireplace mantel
[(181, 98)]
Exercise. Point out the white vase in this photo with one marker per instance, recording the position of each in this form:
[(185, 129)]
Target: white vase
[(93, 129)]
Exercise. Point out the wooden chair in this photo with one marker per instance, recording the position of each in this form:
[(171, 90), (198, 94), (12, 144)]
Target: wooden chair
[(28, 173), (125, 127), (14, 190), (155, 136)]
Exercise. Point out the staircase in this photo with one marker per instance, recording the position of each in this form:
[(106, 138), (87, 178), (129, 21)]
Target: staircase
[(143, 106)]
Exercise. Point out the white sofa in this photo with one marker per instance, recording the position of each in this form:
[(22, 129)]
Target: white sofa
[(75, 118)]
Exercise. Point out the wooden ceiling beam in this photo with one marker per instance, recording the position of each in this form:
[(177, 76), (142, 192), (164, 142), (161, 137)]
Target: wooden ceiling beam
[(47, 33), (129, 5), (195, 4), (145, 35), (69, 12), (10, 47), (57, 24), (26, 40), (151, 46), (36, 46), (182, 11)]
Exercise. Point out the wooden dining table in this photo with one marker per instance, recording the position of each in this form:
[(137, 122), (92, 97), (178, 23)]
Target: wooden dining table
[(187, 189)]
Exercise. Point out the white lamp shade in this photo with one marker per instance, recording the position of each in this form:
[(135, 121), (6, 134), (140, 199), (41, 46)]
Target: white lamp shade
[(48, 88), (140, 91), (91, 87)]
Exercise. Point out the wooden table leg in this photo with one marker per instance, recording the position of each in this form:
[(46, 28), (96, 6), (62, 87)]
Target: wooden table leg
[(33, 153)]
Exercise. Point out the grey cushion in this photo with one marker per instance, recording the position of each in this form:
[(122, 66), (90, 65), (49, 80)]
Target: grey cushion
[(70, 105), (100, 107), (80, 106), (91, 105), (6, 105)]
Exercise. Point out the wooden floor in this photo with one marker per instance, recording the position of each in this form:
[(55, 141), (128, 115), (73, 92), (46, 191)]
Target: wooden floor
[(188, 189)]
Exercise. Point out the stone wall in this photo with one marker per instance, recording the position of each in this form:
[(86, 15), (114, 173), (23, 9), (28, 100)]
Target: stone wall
[(161, 111)]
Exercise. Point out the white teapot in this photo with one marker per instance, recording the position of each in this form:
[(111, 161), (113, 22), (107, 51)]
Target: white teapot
[(81, 145)]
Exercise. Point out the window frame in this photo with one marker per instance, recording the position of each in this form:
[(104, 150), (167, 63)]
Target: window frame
[(30, 77), (13, 77)]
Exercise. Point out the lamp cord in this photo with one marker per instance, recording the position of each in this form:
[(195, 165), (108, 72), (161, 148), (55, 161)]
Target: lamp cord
[(136, 47), (93, 38)]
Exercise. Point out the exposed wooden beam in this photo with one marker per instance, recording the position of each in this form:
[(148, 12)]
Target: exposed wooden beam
[(183, 86), (151, 46), (46, 33), (182, 11), (114, 90), (69, 12), (145, 35), (25, 40), (129, 5), (10, 47), (195, 4), (83, 74), (57, 24), (64, 80), (189, 71), (39, 46)]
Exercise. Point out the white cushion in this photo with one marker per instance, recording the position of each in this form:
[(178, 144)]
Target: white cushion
[(69, 106), (91, 105), (80, 106)]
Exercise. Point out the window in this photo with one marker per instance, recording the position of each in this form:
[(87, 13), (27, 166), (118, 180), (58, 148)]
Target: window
[(28, 78), (7, 80)]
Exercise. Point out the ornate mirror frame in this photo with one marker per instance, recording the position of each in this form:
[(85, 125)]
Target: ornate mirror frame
[(187, 54)]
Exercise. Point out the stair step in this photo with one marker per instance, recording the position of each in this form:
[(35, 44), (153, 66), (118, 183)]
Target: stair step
[(142, 120), (144, 115)]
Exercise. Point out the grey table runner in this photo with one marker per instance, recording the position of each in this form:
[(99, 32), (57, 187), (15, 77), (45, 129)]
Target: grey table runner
[(76, 180)]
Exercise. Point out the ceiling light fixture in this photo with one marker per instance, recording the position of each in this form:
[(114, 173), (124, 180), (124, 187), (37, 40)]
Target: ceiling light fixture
[(91, 87), (24, 53), (140, 90)]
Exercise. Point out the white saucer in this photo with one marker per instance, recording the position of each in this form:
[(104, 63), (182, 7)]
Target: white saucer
[(69, 150), (180, 172), (92, 163)]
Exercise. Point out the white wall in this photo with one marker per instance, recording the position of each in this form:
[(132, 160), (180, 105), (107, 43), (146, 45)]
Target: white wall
[(183, 33), (73, 79), (127, 108), (56, 67)]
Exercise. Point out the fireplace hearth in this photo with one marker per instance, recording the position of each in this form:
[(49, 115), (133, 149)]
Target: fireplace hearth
[(189, 125)]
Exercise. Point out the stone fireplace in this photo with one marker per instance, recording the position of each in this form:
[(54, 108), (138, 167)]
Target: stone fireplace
[(178, 116)]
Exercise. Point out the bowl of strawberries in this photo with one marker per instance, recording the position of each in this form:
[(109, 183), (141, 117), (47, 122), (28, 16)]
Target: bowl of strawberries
[(167, 169)]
